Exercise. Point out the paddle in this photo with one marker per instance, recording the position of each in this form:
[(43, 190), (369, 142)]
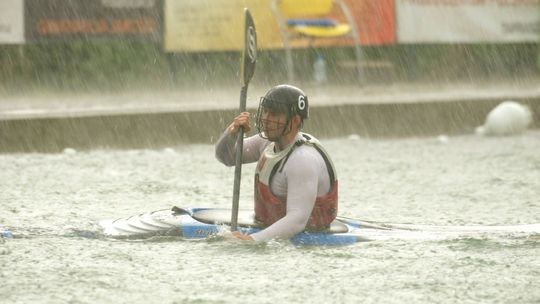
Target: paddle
[(249, 57)]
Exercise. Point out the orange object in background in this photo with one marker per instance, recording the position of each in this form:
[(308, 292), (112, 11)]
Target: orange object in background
[(375, 23), (375, 20)]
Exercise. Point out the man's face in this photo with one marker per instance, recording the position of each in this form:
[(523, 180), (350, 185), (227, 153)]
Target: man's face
[(273, 124)]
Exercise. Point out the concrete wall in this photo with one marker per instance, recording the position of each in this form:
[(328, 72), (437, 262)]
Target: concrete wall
[(156, 130)]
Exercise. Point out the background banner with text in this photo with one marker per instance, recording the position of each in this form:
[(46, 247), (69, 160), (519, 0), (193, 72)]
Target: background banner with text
[(209, 25), (93, 19)]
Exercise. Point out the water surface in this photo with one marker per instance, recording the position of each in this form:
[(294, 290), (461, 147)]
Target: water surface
[(53, 202)]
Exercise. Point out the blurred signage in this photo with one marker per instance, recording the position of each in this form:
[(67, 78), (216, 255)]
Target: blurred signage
[(375, 20), (468, 21), (209, 25), (11, 21), (93, 19)]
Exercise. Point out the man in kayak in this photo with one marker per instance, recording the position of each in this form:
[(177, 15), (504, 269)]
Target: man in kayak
[(295, 181)]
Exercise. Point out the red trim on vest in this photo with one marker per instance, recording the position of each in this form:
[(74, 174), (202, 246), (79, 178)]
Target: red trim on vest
[(269, 208)]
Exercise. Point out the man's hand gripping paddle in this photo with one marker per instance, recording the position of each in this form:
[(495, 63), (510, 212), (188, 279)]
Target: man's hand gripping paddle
[(249, 57)]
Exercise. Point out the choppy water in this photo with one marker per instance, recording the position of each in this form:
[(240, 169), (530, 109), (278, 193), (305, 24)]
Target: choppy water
[(53, 202)]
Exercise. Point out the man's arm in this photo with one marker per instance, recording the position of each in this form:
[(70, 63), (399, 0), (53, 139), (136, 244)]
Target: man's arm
[(226, 144), (226, 151)]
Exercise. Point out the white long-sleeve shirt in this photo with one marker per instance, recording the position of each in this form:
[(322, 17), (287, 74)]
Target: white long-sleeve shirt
[(304, 177)]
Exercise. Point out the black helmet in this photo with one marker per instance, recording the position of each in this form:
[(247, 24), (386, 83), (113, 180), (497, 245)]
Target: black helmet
[(286, 99)]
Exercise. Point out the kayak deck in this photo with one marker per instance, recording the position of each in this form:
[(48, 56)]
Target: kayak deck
[(201, 223)]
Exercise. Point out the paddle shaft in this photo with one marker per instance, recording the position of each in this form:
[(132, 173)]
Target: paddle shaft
[(249, 57), (238, 163)]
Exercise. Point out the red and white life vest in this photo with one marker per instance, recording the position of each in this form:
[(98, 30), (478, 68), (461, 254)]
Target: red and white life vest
[(269, 208)]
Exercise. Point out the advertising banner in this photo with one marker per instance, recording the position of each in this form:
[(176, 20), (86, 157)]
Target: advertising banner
[(210, 25), (375, 20), (93, 19), (11, 22), (467, 21)]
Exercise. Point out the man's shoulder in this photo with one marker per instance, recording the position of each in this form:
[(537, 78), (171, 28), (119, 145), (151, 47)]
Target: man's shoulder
[(306, 152)]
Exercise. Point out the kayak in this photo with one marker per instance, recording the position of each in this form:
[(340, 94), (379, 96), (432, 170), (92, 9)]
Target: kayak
[(5, 233), (202, 223), (205, 223)]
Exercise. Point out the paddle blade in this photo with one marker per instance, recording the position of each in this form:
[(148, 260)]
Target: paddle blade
[(249, 53)]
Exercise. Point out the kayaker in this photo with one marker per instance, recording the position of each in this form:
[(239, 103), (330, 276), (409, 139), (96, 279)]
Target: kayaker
[(295, 180)]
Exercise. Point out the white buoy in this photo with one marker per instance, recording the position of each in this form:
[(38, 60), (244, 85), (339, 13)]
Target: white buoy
[(353, 137), (69, 151), (508, 118), (443, 139), (170, 151)]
